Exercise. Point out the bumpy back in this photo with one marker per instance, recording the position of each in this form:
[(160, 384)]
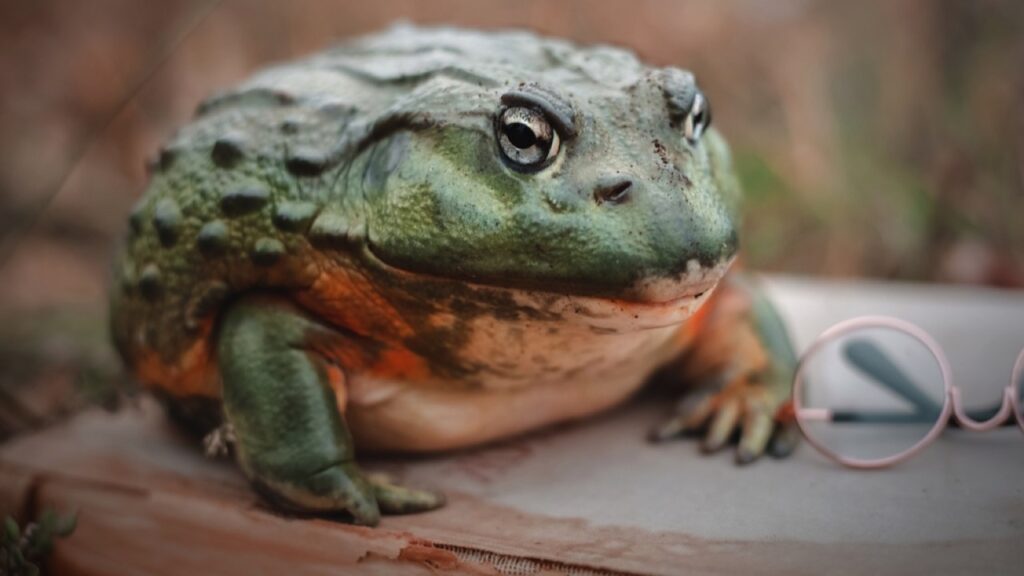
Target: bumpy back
[(247, 195)]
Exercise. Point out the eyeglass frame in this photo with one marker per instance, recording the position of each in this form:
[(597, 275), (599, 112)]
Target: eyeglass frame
[(951, 405)]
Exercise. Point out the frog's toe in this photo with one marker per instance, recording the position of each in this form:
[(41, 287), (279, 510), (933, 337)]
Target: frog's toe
[(784, 439), (343, 488), (743, 407), (691, 414), (751, 414), (339, 489), (722, 424), (395, 499), (755, 435)]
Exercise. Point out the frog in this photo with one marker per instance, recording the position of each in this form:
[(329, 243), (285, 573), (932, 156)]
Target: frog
[(429, 239)]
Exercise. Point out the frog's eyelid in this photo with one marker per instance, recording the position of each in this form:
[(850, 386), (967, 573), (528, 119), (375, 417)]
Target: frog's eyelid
[(698, 107), (691, 128), (558, 112), (556, 145)]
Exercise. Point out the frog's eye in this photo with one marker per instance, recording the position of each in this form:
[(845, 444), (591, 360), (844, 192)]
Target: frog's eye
[(526, 138), (697, 119)]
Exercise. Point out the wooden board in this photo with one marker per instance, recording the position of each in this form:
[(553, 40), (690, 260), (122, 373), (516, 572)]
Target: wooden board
[(586, 498)]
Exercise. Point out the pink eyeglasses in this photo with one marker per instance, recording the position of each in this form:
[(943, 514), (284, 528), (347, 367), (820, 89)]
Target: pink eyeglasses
[(874, 390)]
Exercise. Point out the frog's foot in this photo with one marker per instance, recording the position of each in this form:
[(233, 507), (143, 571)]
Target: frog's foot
[(742, 363), (339, 488), (743, 404), (343, 488)]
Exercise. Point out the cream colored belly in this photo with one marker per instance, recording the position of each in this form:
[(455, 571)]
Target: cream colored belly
[(596, 375), (571, 358)]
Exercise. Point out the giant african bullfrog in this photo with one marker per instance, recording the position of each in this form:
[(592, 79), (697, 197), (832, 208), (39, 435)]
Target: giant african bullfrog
[(432, 238)]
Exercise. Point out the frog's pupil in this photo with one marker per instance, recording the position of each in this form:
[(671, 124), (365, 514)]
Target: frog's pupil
[(520, 135)]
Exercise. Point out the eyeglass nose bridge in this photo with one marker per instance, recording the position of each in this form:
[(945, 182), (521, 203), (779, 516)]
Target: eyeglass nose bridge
[(1006, 411)]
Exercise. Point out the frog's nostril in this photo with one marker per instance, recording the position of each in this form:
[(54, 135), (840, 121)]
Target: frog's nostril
[(615, 192)]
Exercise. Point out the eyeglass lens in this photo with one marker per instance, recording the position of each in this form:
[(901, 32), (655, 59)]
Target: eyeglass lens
[(871, 393)]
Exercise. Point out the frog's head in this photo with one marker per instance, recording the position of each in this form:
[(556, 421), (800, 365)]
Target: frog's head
[(558, 182)]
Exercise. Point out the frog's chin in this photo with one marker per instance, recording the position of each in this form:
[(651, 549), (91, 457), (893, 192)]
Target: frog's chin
[(651, 304)]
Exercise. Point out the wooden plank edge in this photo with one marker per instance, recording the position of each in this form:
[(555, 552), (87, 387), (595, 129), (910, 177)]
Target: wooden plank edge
[(127, 530)]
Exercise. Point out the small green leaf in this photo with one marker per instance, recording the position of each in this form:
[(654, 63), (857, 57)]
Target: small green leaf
[(11, 531), (66, 525)]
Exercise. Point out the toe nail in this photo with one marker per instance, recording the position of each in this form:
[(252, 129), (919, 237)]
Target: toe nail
[(709, 447), (657, 435), (745, 456), (782, 450)]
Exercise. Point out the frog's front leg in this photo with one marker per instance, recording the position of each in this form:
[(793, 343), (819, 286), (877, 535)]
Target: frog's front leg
[(739, 361), (290, 435)]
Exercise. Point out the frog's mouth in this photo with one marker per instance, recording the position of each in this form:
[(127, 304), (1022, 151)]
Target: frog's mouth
[(648, 304)]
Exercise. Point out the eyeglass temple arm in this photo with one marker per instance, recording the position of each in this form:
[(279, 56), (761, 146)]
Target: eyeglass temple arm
[(900, 417), (874, 362)]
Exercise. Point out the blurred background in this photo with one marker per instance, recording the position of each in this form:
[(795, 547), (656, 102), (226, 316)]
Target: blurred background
[(880, 139)]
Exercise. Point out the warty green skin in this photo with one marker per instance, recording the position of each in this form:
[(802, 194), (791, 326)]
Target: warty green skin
[(380, 157), (393, 138)]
